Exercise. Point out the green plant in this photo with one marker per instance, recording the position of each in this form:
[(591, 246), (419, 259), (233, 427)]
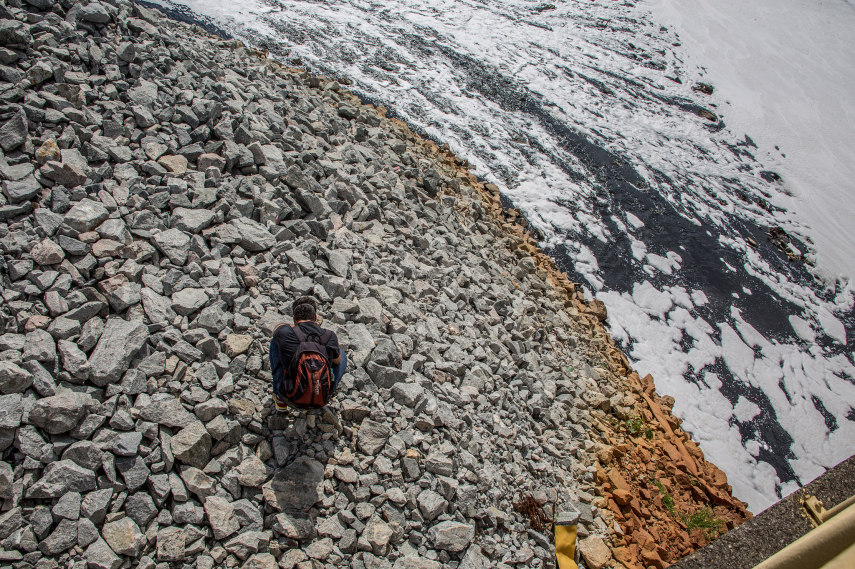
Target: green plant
[(667, 500), (705, 520), (635, 426)]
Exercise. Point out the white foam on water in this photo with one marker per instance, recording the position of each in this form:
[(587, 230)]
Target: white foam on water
[(603, 69), (784, 72)]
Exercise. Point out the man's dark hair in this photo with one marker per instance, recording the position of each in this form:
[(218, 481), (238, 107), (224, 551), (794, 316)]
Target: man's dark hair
[(305, 308)]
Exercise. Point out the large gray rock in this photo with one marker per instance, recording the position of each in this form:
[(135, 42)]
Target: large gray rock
[(47, 252), (167, 411), (191, 220), (118, 345), (39, 347), (385, 376), (11, 409), (175, 244), (23, 190), (86, 215), (100, 556), (124, 536), (192, 445), (171, 545), (296, 487), (221, 517), (62, 412), (14, 379), (15, 34), (451, 536), (94, 12), (372, 437), (6, 478), (61, 477), (13, 133), (157, 308), (252, 236), (63, 538), (188, 300), (431, 504)]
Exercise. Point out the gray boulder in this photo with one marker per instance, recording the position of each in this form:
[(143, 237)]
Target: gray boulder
[(62, 412), (173, 243), (61, 477), (118, 345), (86, 215)]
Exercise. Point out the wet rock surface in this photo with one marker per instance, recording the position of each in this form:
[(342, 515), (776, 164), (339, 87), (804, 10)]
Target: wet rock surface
[(175, 192)]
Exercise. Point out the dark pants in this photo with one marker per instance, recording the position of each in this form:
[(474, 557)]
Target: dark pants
[(279, 377)]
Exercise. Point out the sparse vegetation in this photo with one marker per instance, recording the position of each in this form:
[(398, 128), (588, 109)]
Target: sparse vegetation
[(704, 519), (636, 427)]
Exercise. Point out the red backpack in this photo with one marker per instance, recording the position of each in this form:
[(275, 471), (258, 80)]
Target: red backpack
[(310, 381)]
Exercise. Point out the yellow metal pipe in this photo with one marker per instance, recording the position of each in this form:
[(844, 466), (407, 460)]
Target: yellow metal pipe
[(846, 559), (817, 547)]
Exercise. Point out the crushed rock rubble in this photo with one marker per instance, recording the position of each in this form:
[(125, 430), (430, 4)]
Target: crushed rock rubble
[(165, 196)]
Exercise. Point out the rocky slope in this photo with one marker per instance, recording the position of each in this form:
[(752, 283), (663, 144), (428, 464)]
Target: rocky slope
[(166, 194)]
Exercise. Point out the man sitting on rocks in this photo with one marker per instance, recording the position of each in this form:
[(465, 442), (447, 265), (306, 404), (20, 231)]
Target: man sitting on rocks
[(285, 344)]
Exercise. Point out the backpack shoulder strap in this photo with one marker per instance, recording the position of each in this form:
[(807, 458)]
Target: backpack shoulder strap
[(325, 337), (301, 336)]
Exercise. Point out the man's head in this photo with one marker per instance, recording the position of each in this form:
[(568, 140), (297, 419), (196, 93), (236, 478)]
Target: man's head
[(305, 308)]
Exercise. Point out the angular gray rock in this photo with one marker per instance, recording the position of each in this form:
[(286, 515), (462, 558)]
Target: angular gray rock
[(86, 215), (192, 445), (14, 379), (221, 517), (252, 236), (451, 536), (100, 556), (372, 437), (118, 345), (61, 477), (173, 243), (124, 536), (62, 412), (13, 133)]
